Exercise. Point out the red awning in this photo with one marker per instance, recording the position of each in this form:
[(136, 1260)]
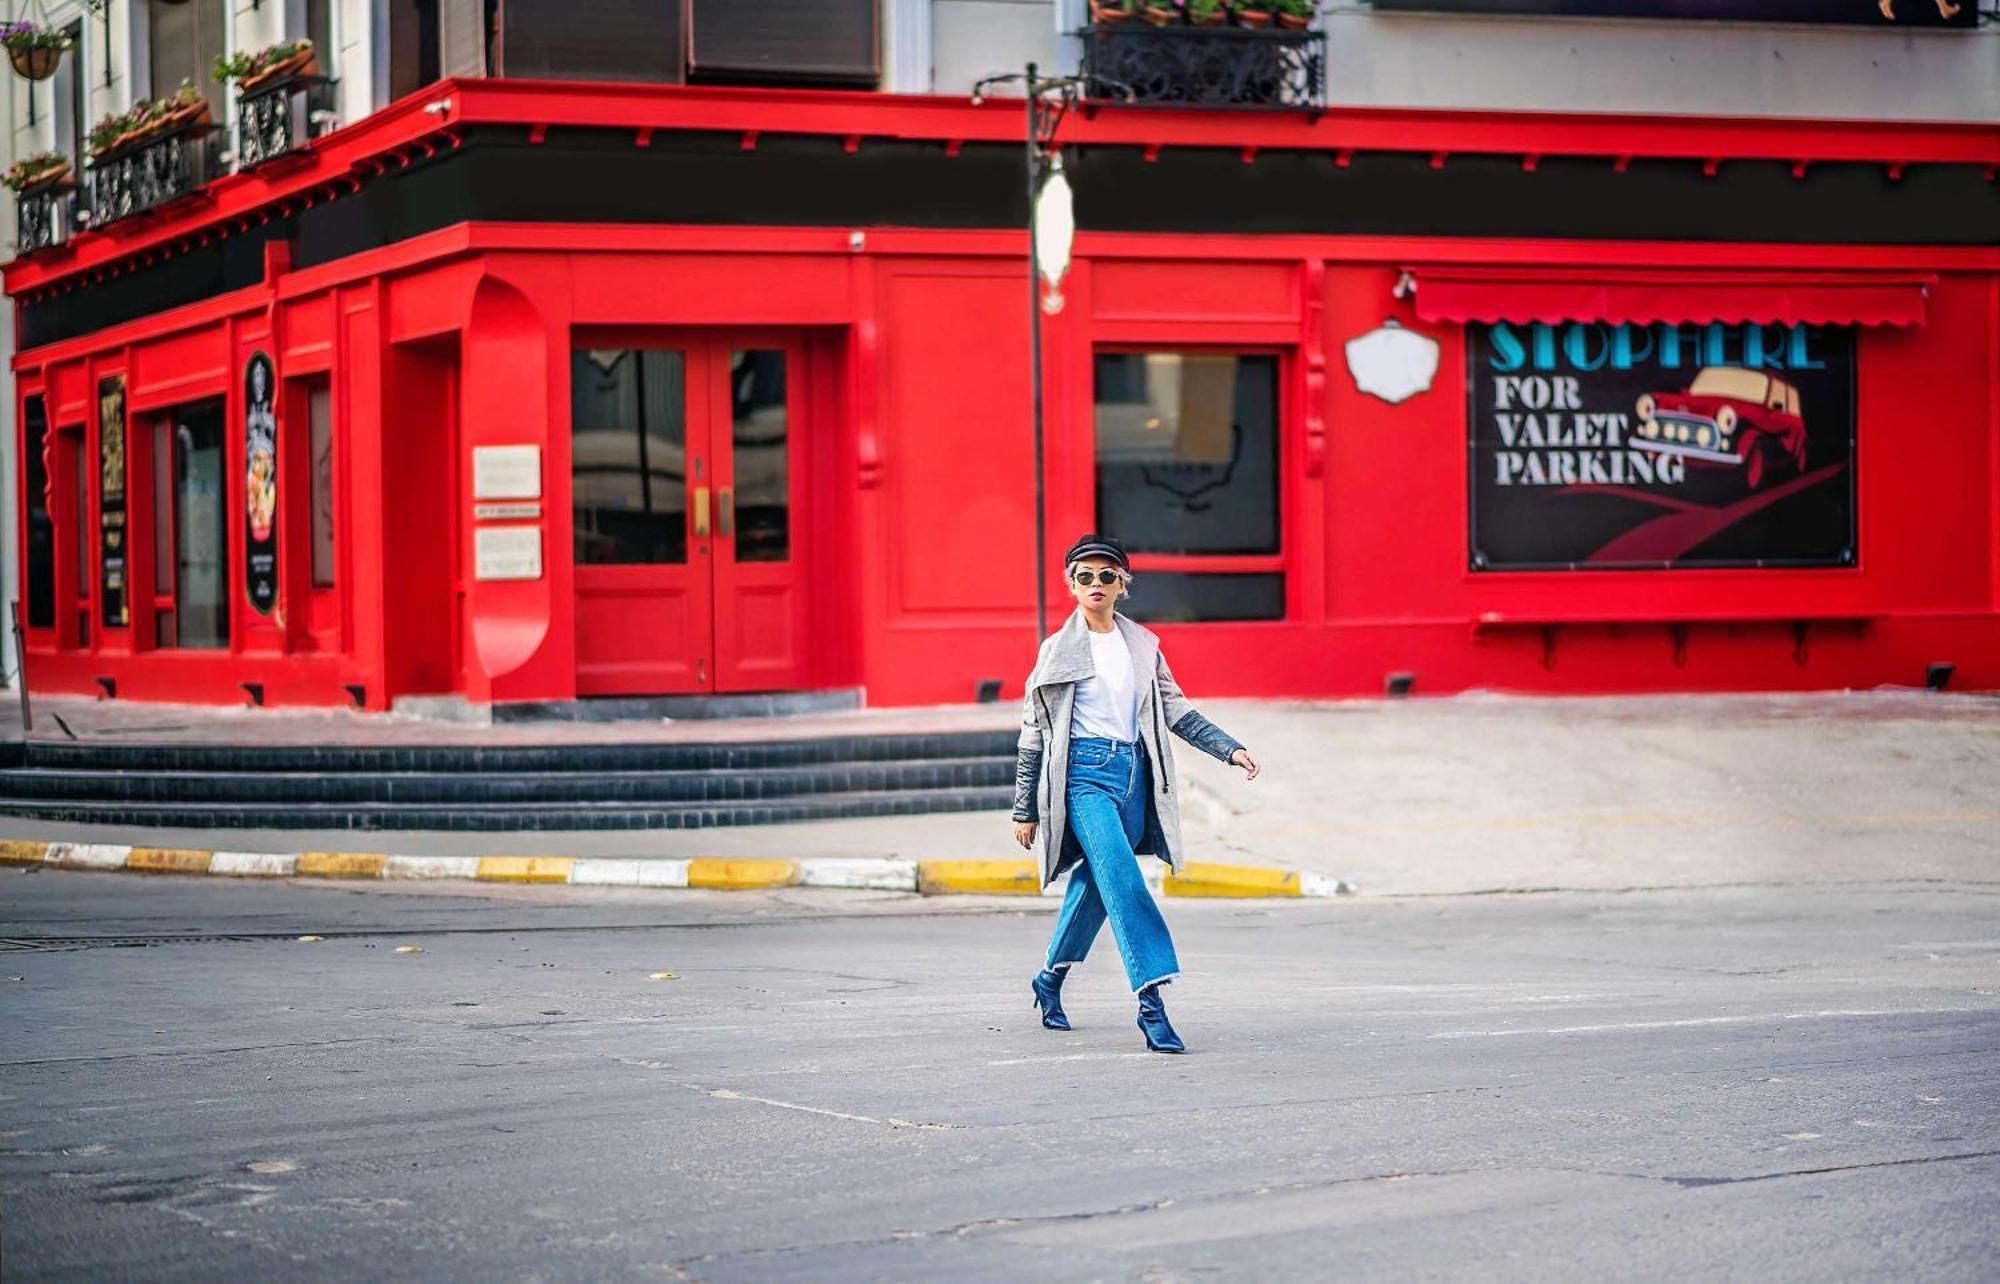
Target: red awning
[(1645, 296)]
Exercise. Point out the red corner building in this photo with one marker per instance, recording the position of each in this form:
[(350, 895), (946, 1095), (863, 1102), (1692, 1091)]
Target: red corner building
[(543, 389)]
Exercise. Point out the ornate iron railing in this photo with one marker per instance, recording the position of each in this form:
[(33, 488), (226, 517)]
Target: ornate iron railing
[(44, 218), (1210, 66), (149, 175), (278, 118)]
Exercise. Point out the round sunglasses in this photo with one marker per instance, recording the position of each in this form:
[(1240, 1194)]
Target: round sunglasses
[(1106, 578)]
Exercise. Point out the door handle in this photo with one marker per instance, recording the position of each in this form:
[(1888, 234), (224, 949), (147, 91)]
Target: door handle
[(725, 525), (701, 512)]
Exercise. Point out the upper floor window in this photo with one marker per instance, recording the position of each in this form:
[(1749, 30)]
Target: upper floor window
[(834, 42), (72, 101), (185, 40)]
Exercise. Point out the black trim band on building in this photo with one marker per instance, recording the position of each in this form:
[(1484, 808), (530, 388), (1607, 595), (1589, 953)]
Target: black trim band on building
[(598, 176)]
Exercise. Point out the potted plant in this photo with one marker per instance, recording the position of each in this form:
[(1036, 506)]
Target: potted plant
[(148, 118), (35, 51), (1252, 13), (1207, 13), (1109, 11), (1159, 12), (1295, 15), (274, 62), (38, 173)]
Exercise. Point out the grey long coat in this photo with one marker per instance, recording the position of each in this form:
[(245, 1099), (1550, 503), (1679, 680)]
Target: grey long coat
[(1041, 778)]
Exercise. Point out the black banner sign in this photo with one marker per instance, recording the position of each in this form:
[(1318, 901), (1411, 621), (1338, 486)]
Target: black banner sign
[(1600, 446), (1873, 13), (111, 548), (260, 490)]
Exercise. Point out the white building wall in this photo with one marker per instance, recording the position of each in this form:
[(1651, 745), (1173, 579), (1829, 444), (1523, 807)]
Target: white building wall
[(1510, 63)]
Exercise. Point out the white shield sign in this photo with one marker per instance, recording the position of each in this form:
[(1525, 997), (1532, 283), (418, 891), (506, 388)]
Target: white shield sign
[(1392, 363)]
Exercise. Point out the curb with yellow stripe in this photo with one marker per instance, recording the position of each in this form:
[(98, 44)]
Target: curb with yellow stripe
[(927, 877)]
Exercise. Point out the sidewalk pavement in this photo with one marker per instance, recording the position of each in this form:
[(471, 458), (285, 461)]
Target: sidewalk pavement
[(1468, 794)]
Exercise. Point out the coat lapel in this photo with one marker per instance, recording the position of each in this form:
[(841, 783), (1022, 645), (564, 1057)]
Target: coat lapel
[(1145, 649), (1068, 657)]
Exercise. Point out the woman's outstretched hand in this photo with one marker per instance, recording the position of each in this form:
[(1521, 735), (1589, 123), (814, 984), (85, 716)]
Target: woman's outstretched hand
[(1024, 833), (1242, 758)]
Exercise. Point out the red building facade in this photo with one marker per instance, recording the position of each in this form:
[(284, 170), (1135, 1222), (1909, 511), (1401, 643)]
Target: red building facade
[(538, 391)]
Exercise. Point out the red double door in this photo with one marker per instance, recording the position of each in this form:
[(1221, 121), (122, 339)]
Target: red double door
[(684, 470)]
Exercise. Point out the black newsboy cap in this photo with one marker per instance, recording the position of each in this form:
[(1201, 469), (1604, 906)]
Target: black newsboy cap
[(1095, 545)]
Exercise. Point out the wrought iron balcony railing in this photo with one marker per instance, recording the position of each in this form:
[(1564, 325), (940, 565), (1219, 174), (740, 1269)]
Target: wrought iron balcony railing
[(278, 118), (149, 174), (1210, 66), (44, 217)]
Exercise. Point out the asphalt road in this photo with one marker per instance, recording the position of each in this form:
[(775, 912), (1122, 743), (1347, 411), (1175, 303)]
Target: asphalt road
[(1759, 1082)]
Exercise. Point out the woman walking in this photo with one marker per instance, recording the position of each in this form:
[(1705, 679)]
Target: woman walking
[(1096, 777)]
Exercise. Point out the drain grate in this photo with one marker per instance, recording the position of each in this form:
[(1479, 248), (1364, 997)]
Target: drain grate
[(52, 944)]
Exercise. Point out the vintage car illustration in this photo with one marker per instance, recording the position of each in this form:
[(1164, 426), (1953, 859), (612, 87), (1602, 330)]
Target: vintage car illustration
[(1728, 416)]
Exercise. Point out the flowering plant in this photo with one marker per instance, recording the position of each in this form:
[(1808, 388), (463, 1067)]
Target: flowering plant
[(34, 170), (249, 66), (145, 115), (27, 35)]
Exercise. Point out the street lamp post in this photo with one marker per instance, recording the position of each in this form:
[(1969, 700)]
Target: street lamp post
[(1049, 99)]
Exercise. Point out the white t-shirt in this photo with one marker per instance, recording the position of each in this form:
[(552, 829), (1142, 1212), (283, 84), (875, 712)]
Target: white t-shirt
[(1107, 705)]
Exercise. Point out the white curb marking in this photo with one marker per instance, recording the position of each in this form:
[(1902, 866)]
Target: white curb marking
[(862, 873), (431, 867), (589, 871), (1324, 885), (253, 864), (88, 855)]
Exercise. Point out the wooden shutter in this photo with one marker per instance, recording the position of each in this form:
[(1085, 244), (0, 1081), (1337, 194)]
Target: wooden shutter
[(797, 41), (461, 37), (620, 40)]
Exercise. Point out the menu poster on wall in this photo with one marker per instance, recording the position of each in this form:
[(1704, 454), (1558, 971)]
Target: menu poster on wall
[(1871, 13), (260, 491), (1618, 446), (111, 499)]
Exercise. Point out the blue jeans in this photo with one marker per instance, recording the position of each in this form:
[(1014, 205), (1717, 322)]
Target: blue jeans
[(1109, 785)]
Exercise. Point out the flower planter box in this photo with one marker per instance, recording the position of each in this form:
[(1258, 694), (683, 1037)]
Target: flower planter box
[(303, 63)]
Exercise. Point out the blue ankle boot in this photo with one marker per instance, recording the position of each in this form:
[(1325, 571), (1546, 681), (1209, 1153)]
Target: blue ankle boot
[(1160, 1036), (1048, 997)]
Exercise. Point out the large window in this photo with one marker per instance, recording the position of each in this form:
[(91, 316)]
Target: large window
[(198, 615), (759, 430), (628, 455), (80, 563), (319, 420), (1188, 478), (41, 525)]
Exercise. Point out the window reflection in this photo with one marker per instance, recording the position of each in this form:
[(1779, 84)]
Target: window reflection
[(1187, 452), (628, 455), (760, 433), (201, 524)]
